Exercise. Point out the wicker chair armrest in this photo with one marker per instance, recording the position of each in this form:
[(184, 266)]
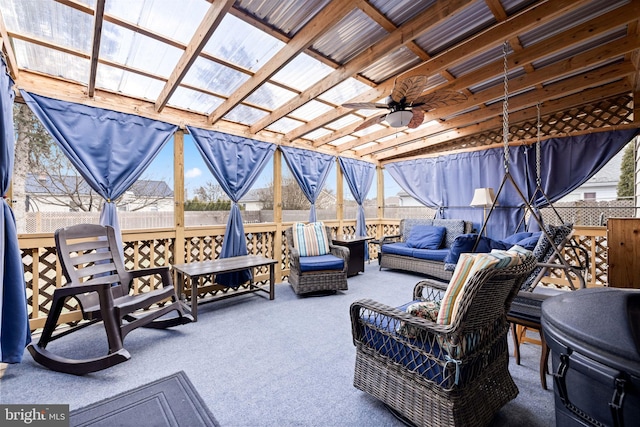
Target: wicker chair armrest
[(429, 289), (294, 258), (340, 251), (364, 309)]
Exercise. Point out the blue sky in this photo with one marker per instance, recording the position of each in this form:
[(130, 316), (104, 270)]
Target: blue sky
[(197, 173)]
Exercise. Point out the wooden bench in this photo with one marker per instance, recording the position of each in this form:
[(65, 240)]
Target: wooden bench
[(189, 273)]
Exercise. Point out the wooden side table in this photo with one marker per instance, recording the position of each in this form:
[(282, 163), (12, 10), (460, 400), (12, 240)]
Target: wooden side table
[(356, 245)]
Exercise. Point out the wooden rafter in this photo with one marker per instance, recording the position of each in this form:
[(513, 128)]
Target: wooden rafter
[(200, 38), (95, 46), (324, 20), (588, 30), (400, 37), (535, 15)]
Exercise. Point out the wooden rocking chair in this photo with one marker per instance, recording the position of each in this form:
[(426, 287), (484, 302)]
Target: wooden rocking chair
[(97, 279)]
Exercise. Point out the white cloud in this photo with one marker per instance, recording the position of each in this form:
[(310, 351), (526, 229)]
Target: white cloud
[(192, 173)]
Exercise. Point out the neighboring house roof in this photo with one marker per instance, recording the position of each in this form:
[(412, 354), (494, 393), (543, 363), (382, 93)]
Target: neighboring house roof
[(45, 185)]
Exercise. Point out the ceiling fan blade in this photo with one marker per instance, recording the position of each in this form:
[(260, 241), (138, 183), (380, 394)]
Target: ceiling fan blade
[(364, 105), (409, 88), (417, 119), (371, 121), (438, 99)]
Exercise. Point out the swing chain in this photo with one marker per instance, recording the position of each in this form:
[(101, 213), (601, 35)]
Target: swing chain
[(505, 110), (538, 150)]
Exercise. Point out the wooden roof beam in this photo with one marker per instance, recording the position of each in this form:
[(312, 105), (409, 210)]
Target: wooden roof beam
[(400, 37), (205, 30), (323, 21), (98, 17)]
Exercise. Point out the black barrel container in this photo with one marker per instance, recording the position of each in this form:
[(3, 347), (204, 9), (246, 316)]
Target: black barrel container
[(594, 337)]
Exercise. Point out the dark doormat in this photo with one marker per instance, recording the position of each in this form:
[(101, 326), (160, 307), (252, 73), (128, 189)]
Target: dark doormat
[(170, 401)]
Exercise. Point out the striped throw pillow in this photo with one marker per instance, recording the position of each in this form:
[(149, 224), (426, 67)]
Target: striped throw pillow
[(310, 239), (460, 274)]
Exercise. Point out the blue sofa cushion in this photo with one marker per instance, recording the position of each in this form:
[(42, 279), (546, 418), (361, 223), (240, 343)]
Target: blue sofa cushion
[(397, 249), (430, 254), (426, 237), (320, 263), (529, 242)]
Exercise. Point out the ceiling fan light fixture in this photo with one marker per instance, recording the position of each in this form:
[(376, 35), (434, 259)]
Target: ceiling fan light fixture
[(398, 119)]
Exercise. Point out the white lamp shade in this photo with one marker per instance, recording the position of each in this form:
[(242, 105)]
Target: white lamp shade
[(398, 119), (483, 197)]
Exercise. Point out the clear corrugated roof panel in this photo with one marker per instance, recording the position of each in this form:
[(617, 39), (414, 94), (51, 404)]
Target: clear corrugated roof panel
[(343, 121), (310, 110), (400, 11), (214, 77), (317, 134), (270, 96), (117, 80), (292, 76), (569, 53), (177, 20), (288, 16), (461, 25), (478, 61), (354, 33), (363, 146), (193, 100), (135, 50), (49, 21), (240, 44), (344, 91), (514, 6), (245, 115), (369, 130), (396, 62), (340, 141), (566, 21), (284, 125), (38, 58)]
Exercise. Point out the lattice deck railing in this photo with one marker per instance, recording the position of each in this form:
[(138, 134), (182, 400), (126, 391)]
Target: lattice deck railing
[(158, 247)]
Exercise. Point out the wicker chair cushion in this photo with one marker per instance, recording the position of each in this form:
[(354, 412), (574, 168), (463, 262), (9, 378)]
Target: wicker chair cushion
[(382, 333), (426, 237), (321, 263), (310, 239)]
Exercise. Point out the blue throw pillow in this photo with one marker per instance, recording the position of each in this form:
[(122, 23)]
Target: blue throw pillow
[(529, 242), (464, 244), (515, 238), (426, 237)]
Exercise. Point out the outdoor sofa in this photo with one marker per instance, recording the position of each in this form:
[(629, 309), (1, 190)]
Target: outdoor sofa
[(422, 245)]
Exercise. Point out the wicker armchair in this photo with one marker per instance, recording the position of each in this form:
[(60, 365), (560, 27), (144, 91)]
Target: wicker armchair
[(441, 375), (317, 281)]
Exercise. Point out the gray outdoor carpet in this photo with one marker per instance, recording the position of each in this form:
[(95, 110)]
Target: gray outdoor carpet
[(169, 401)]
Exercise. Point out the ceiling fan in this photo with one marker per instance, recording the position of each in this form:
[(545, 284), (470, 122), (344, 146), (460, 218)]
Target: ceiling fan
[(406, 105)]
